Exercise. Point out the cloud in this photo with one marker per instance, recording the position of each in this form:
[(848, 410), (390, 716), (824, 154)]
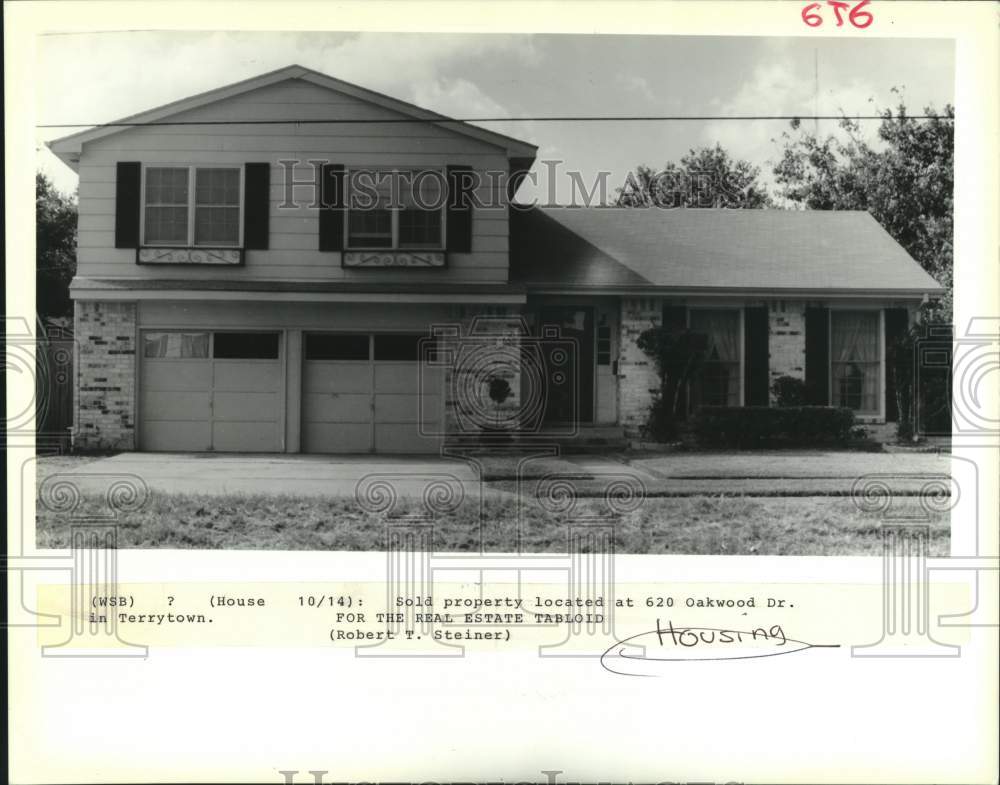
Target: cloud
[(634, 83), (93, 78), (777, 87)]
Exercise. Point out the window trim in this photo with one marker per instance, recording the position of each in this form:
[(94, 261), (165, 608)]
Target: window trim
[(394, 212), (878, 416), (191, 206), (741, 339)]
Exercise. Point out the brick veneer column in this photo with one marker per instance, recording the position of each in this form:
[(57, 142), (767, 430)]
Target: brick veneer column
[(105, 378), (786, 340), (638, 381)]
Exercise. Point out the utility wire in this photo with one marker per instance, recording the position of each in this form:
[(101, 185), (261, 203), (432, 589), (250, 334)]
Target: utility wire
[(435, 120)]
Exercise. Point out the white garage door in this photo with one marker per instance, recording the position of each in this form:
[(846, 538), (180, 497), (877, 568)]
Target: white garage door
[(369, 393), (202, 391)]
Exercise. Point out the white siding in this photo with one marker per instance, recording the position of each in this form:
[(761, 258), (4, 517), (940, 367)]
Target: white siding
[(294, 237), (364, 317)]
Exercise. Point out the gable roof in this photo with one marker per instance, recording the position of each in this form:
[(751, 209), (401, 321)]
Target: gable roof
[(694, 250), (68, 148)]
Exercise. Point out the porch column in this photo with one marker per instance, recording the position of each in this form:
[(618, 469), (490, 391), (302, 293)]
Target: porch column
[(786, 325), (637, 378)]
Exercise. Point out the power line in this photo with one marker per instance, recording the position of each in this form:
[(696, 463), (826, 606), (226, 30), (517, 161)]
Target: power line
[(564, 119)]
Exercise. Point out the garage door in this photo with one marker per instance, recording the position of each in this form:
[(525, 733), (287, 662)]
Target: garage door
[(202, 391), (369, 393)]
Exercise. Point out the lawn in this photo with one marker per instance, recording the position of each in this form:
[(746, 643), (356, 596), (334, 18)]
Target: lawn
[(728, 525)]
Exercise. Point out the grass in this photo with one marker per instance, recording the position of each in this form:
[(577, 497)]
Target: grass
[(703, 525)]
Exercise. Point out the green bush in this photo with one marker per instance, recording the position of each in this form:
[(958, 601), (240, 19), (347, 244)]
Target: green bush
[(789, 391), (677, 354), (923, 396), (752, 427), (663, 424)]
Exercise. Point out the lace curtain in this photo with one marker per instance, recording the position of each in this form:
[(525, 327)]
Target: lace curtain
[(175, 345), (719, 384), (854, 355)]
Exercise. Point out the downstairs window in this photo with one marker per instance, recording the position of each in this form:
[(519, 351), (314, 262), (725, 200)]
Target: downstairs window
[(855, 360)]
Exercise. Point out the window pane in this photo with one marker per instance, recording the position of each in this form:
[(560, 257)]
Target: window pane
[(166, 214), (166, 185), (216, 225), (175, 345), (854, 359), (419, 228), (421, 199), (324, 346), (604, 345), (369, 220), (166, 224), (370, 228), (397, 348), (217, 187), (246, 346)]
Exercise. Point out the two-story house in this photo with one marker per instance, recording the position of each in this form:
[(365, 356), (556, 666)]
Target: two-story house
[(247, 281)]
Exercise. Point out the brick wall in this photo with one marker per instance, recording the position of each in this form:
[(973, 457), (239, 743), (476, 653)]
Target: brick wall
[(105, 389), (637, 376), (786, 340)]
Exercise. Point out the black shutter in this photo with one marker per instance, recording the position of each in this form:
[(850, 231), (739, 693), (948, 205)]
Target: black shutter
[(257, 206), (331, 210), (459, 225), (675, 320), (817, 356), (756, 357), (128, 186), (897, 321)]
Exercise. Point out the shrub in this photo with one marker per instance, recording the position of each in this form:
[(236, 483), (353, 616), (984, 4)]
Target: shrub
[(789, 391), (662, 424), (923, 398), (677, 354), (751, 427)]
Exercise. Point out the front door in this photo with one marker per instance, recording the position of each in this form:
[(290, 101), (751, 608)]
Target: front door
[(570, 379)]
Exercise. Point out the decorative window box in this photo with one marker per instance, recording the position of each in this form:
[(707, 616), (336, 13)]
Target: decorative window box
[(213, 257), (373, 258)]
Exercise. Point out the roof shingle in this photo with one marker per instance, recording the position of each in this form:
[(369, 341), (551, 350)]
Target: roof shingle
[(627, 248)]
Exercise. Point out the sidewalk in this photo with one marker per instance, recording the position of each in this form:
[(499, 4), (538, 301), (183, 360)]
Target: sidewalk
[(789, 474)]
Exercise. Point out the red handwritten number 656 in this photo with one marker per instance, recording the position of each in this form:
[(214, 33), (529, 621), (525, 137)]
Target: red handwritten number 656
[(855, 16)]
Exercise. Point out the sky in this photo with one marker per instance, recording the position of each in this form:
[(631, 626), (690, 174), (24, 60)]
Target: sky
[(99, 77)]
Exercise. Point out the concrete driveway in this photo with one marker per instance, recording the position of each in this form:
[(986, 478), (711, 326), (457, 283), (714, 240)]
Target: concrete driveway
[(273, 475)]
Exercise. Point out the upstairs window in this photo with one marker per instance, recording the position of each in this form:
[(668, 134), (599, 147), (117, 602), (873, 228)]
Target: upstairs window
[(166, 206), (192, 206), (395, 209)]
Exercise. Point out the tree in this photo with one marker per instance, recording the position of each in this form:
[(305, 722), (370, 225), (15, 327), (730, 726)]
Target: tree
[(55, 248), (706, 177), (905, 180)]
